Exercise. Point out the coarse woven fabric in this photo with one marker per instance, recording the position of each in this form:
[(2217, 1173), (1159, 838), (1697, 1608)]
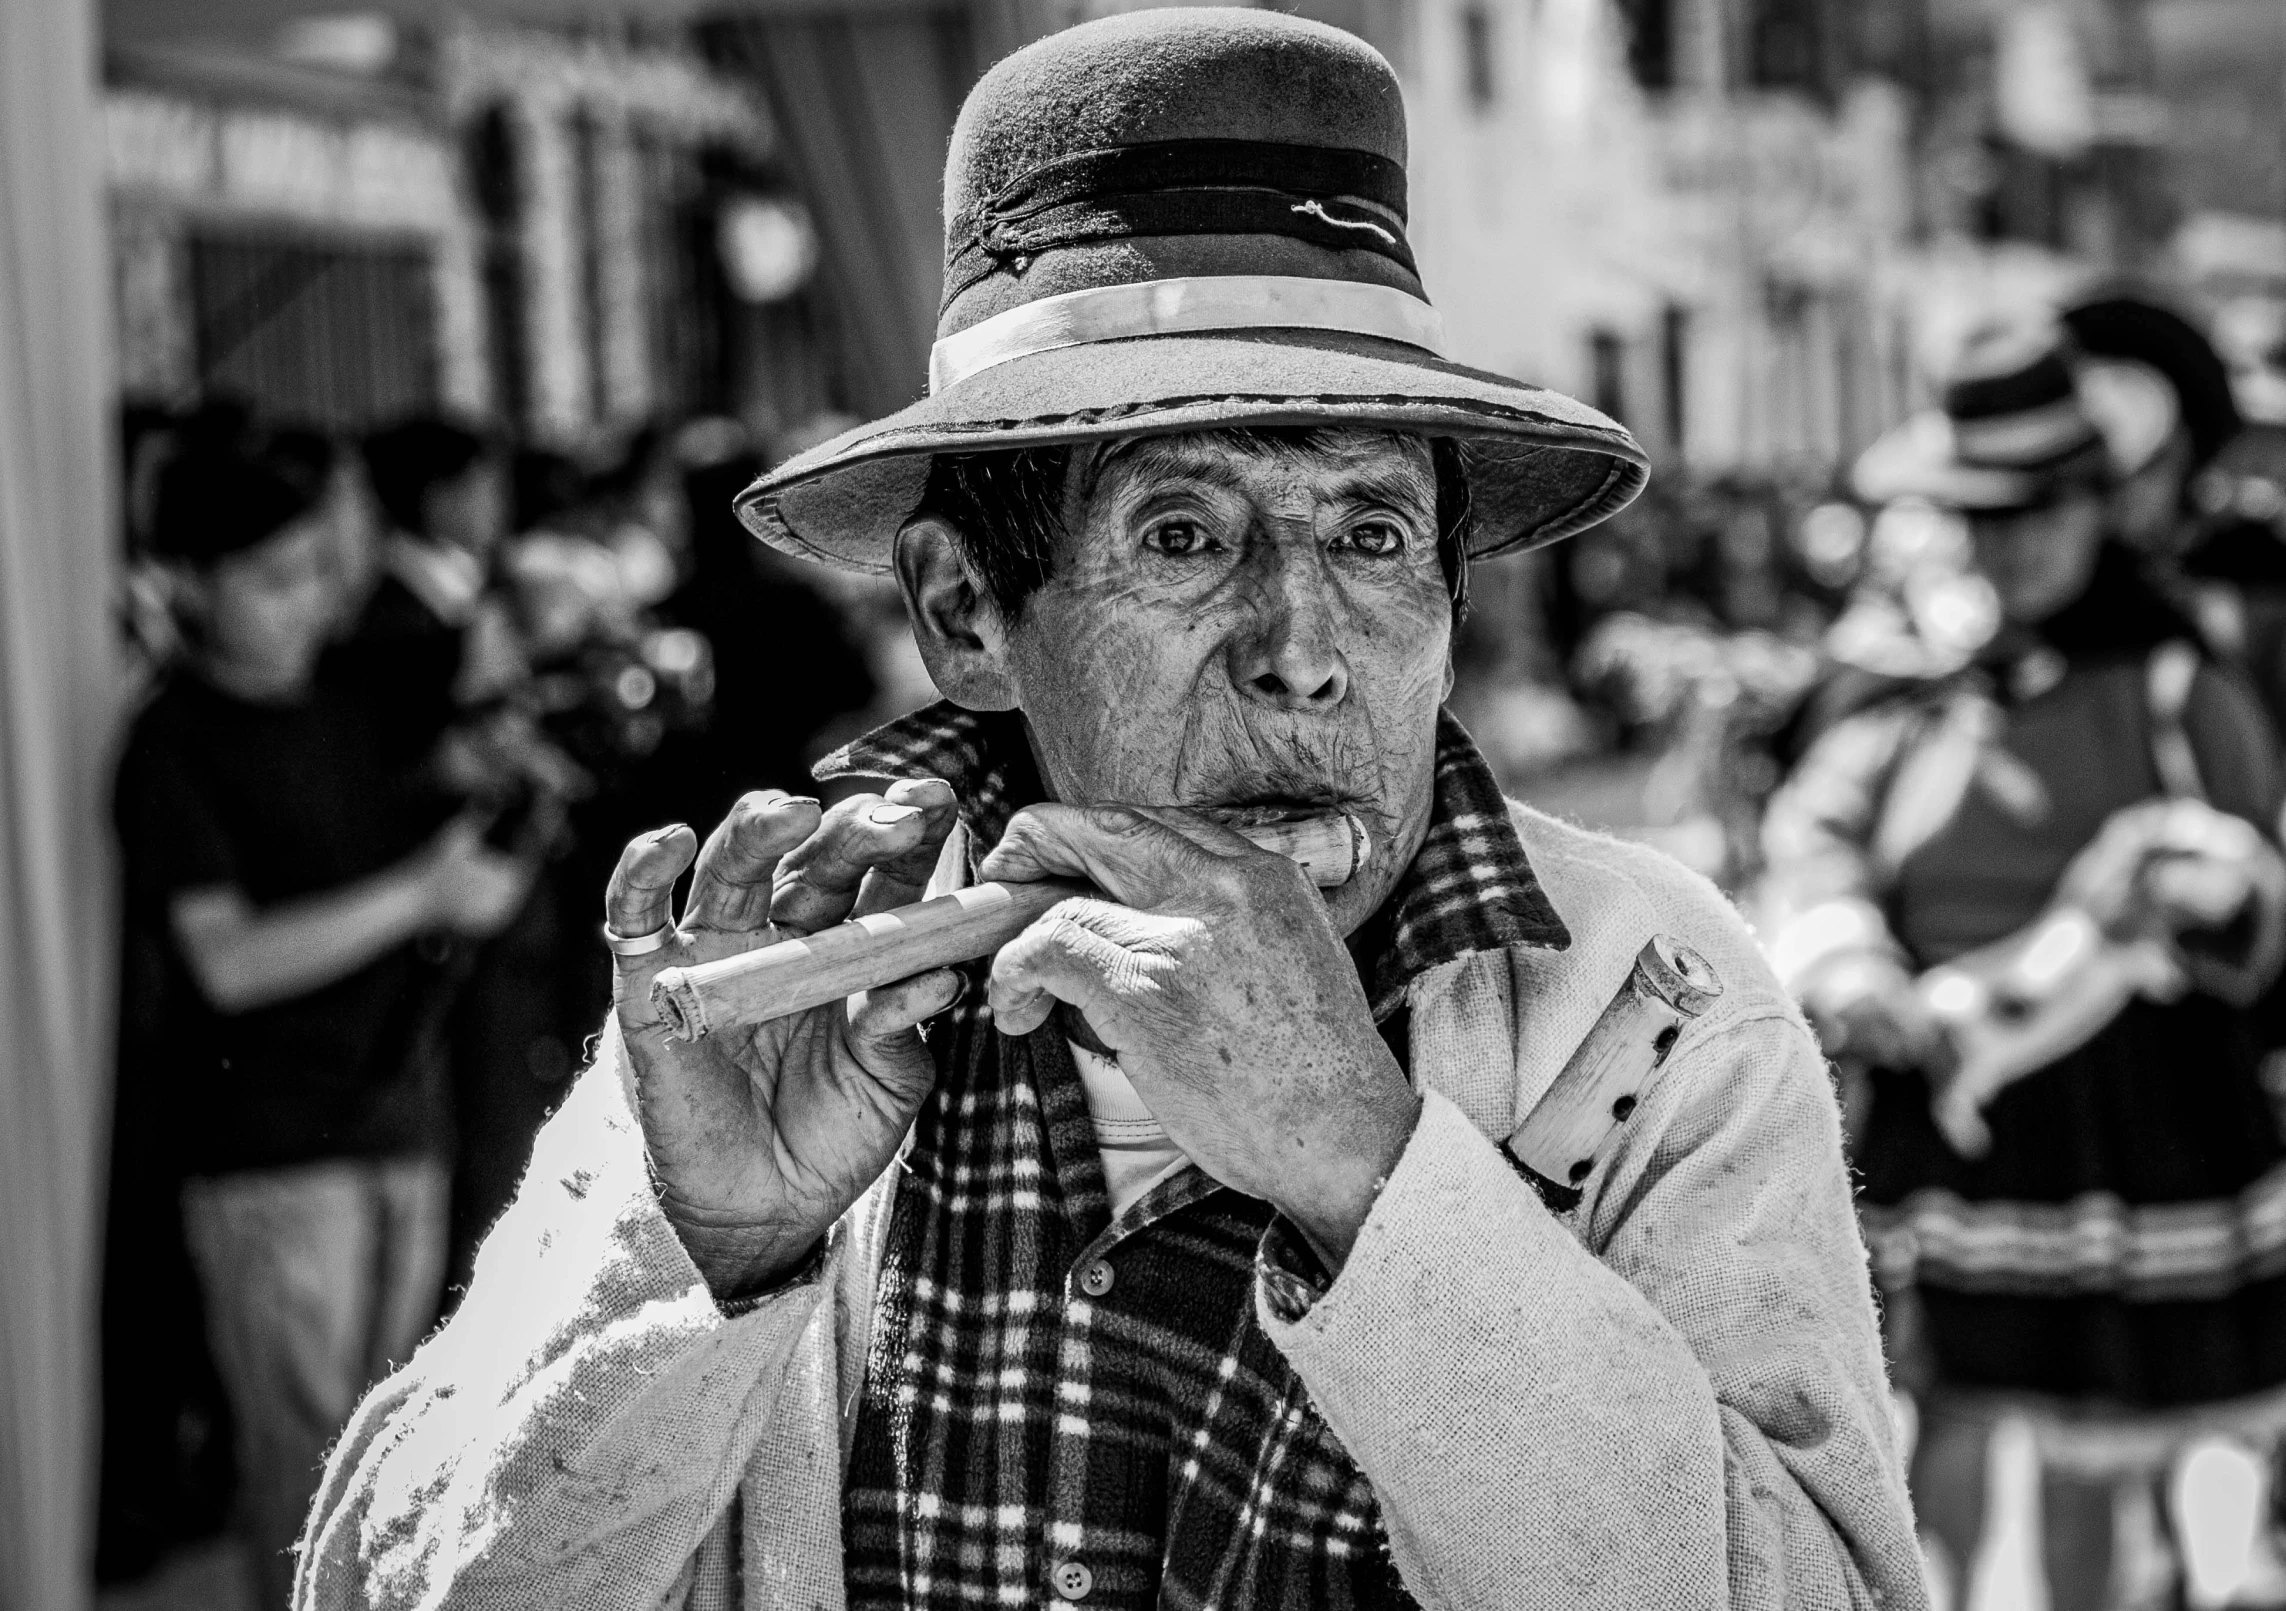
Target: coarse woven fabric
[(1540, 466), (1673, 1397), (1012, 1419), (1470, 886)]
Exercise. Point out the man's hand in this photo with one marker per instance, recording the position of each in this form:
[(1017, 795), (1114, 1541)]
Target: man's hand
[(761, 1138), (1220, 985)]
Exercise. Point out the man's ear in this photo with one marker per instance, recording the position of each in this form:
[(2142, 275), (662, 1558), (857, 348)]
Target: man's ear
[(958, 630)]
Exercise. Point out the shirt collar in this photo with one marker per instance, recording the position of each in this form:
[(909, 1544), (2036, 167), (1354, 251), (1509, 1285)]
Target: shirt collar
[(1469, 889)]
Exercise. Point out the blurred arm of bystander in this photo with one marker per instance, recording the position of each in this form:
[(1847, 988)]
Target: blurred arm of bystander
[(244, 956)]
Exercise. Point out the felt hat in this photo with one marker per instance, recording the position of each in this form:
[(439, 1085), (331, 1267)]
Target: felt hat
[(2128, 328), (1185, 220), (2019, 420)]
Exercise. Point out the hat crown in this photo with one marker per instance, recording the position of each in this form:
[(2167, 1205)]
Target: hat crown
[(2014, 401), (1169, 143)]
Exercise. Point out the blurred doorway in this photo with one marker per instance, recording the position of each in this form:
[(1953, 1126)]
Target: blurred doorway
[(341, 335)]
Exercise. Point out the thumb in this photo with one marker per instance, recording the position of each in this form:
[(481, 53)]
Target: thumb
[(883, 1020)]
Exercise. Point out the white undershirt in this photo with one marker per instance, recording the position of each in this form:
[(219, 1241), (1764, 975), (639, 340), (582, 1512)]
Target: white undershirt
[(1136, 1150)]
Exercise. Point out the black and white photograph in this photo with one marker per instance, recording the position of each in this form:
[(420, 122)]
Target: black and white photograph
[(1078, 805)]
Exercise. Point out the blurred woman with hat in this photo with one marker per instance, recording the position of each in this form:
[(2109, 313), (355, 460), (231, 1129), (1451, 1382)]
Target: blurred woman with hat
[(2181, 449), (2033, 900)]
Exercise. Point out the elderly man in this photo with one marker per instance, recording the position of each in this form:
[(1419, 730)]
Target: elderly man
[(1171, 1256)]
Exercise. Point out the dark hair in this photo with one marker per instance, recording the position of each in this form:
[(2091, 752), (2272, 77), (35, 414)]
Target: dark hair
[(1006, 508), (221, 493), (406, 459)]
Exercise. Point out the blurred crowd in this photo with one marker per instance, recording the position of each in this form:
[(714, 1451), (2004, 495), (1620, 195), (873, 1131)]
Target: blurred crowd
[(1985, 737), (406, 696), (1984, 732)]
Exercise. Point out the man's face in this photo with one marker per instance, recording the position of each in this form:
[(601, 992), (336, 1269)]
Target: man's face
[(1249, 628)]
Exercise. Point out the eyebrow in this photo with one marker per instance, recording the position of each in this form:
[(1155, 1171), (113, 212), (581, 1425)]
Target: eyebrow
[(1388, 487), (1166, 455)]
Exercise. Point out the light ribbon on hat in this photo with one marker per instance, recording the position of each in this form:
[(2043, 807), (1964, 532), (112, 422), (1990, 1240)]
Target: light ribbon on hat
[(1186, 306), (2027, 438)]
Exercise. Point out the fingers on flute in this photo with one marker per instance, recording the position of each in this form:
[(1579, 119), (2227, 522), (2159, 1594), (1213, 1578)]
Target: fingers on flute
[(891, 1010), (818, 880), (904, 878), (639, 898), (1062, 957), (731, 889)]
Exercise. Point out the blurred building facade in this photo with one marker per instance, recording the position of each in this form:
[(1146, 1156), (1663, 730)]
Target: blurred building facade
[(1751, 228), (1631, 204), (568, 233), (1747, 227)]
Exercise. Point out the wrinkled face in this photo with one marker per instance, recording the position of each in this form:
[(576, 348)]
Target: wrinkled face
[(2039, 560), (1246, 627)]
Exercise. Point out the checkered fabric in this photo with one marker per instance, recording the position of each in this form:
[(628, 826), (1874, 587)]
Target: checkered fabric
[(1469, 888), (1061, 1406)]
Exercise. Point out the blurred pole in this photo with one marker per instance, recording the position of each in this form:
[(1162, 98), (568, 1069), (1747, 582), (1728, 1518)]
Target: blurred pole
[(865, 102), (58, 693)]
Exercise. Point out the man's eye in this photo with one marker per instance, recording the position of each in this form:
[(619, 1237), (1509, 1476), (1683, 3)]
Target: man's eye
[(1177, 537), (1374, 537)]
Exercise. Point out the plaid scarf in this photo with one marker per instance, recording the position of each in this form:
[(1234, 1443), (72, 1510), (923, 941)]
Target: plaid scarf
[(1060, 1406)]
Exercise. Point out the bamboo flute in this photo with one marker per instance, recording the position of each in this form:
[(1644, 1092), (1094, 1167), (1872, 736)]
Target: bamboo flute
[(865, 953)]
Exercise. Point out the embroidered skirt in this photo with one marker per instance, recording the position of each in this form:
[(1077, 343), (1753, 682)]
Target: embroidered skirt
[(2124, 1239)]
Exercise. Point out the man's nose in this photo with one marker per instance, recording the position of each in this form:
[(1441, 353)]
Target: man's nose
[(1291, 658)]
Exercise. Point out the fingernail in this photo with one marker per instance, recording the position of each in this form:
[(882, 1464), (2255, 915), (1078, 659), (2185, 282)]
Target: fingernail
[(661, 835), (888, 816), (794, 800)]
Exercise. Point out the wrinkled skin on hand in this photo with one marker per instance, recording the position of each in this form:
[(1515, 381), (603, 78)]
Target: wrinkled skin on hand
[(1231, 626), (1207, 944), (760, 1138)]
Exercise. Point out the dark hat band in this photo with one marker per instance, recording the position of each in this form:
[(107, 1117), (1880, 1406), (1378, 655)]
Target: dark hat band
[(1328, 196)]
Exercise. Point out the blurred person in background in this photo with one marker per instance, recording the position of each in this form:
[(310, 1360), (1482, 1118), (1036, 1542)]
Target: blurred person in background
[(2033, 900), (436, 659), (787, 664), (616, 688), (2176, 496), (411, 656), (273, 851)]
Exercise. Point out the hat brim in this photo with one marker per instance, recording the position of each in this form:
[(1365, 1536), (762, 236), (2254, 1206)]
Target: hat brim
[(1541, 466), (1916, 460)]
